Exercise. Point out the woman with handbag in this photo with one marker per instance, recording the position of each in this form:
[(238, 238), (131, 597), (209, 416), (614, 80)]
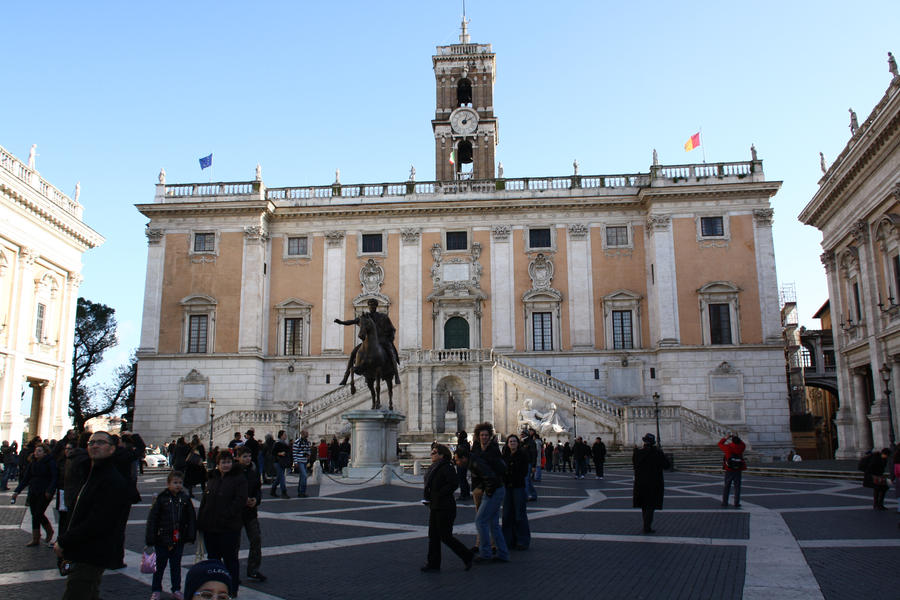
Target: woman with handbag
[(40, 477), (440, 483), (874, 478)]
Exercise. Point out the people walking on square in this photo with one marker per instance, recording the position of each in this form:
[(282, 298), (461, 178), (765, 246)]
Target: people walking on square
[(598, 450), (344, 454), (221, 514), (301, 458), (255, 447), (487, 468), (95, 538), (733, 464), (236, 441), (40, 477), (896, 471), (557, 456), (250, 514), (440, 483), (649, 486), (10, 462), (515, 515), (180, 454), (67, 450), (281, 455), (462, 473), (323, 455), (268, 468), (529, 447), (194, 469), (171, 523), (566, 457), (874, 477), (580, 452)]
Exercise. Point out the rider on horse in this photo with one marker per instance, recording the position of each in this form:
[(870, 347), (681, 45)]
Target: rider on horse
[(385, 330)]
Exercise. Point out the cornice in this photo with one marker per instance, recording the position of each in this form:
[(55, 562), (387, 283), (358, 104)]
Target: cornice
[(70, 226), (218, 207), (734, 190)]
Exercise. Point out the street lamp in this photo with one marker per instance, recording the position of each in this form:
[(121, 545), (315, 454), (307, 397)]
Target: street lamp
[(656, 404), (575, 417), (886, 378), (212, 415)]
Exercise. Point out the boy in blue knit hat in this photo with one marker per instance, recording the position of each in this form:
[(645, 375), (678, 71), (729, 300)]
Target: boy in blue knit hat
[(208, 580)]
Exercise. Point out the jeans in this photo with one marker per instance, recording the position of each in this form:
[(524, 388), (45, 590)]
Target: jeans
[(261, 463), (279, 479), (301, 487), (580, 467), (529, 485), (83, 582), (254, 558), (224, 546), (537, 473), (515, 518), (7, 473), (487, 522), (732, 477), (440, 529), (173, 558)]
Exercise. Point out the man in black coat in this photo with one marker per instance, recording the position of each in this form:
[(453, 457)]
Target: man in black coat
[(649, 487), (250, 515), (598, 450), (462, 443), (94, 540)]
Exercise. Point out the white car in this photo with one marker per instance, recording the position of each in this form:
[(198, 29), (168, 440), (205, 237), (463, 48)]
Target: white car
[(156, 460)]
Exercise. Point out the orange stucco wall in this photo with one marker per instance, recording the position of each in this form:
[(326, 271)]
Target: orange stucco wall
[(698, 265), (220, 279), (617, 269), (297, 278)]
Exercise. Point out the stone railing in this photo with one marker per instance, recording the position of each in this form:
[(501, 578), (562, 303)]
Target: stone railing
[(423, 191), (237, 420), (20, 171), (702, 422), (335, 397), (464, 49), (610, 409), (468, 355)]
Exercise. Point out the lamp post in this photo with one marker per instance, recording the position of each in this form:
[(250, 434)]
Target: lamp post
[(656, 404), (575, 417), (886, 378), (212, 415)]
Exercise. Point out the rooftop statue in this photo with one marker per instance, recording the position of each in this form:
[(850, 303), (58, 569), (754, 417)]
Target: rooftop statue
[(162, 176), (854, 124), (892, 65), (822, 163), (31, 156)]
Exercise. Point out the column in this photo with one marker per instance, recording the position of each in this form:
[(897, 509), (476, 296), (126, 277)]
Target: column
[(503, 301), (253, 305), (333, 290), (770, 319), (156, 254), (581, 289), (663, 299), (410, 289), (863, 427), (845, 421)]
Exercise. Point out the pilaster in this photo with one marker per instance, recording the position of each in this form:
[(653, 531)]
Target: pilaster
[(150, 323), (410, 285), (503, 302), (665, 298), (581, 289), (253, 278), (766, 277), (333, 293)]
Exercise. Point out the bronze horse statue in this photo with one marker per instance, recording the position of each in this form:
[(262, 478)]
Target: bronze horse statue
[(373, 363)]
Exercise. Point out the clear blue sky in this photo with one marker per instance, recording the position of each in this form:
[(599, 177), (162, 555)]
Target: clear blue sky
[(112, 91)]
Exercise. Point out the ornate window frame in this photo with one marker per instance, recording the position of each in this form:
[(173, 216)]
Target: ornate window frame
[(726, 228), (622, 300), (286, 255), (468, 232), (359, 244), (887, 233), (293, 308), (216, 239), (46, 292), (720, 292), (198, 304), (629, 234), (526, 232)]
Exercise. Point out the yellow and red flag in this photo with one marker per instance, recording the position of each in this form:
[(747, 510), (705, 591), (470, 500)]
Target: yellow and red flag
[(692, 143)]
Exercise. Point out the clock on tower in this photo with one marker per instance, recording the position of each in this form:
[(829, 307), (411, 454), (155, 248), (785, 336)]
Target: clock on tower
[(465, 129)]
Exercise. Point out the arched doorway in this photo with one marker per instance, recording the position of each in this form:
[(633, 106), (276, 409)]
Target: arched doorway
[(456, 333)]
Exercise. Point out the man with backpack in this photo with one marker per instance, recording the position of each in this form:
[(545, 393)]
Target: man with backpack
[(733, 464)]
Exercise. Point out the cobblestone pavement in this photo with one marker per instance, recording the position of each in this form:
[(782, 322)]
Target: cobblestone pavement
[(792, 538)]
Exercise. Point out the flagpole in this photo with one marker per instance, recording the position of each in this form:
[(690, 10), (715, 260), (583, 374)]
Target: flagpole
[(702, 146)]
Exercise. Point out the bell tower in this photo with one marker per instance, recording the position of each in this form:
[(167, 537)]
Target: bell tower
[(465, 129)]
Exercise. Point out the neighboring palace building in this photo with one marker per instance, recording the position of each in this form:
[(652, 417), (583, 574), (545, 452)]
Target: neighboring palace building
[(588, 294), (857, 208), (42, 238)]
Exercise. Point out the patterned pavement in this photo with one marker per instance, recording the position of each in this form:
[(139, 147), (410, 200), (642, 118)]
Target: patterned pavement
[(792, 538)]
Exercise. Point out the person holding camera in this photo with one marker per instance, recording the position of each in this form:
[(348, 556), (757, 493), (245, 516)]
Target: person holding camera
[(733, 464)]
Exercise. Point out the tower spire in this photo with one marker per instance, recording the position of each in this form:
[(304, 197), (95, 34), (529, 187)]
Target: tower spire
[(464, 34)]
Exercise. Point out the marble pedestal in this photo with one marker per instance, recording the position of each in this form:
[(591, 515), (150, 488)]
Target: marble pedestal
[(373, 439), (451, 422)]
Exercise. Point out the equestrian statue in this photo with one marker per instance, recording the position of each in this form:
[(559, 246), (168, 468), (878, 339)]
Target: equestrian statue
[(376, 358)]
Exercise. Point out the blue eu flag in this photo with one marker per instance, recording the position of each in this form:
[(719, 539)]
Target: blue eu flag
[(206, 161)]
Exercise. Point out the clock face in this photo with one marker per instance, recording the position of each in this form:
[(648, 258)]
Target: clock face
[(464, 121)]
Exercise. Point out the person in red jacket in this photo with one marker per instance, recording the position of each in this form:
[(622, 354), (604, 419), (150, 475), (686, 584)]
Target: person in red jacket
[(733, 463)]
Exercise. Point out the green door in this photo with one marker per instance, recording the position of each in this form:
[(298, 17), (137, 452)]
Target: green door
[(456, 333)]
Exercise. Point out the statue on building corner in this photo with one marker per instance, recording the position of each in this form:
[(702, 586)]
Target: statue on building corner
[(337, 176), (31, 156), (412, 172), (655, 158), (753, 153), (258, 172), (77, 190), (162, 176), (892, 65), (500, 170), (822, 163), (575, 166), (854, 124)]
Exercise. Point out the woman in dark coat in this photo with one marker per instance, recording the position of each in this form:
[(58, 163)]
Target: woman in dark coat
[(440, 483), (40, 476), (874, 478), (515, 518), (194, 469), (221, 511), (649, 463)]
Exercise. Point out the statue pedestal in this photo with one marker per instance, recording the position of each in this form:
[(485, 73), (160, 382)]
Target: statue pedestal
[(451, 422), (373, 439)]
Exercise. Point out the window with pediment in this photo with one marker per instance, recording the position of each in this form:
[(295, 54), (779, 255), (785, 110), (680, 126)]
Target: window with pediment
[(293, 327), (719, 303), (198, 324), (622, 320)]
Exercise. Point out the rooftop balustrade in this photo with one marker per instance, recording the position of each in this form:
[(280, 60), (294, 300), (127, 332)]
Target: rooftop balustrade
[(41, 186)]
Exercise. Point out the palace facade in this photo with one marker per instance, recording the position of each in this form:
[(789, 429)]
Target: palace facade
[(617, 303), (42, 239), (857, 208)]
